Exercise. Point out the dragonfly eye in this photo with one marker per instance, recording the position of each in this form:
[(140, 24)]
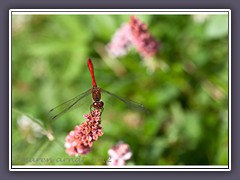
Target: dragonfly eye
[(100, 104), (95, 104)]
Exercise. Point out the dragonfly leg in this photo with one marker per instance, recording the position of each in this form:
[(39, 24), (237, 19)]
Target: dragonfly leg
[(91, 108), (102, 110)]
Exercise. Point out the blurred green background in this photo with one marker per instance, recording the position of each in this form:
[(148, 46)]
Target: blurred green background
[(185, 88)]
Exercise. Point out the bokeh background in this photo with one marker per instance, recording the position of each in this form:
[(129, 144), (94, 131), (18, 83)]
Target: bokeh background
[(184, 87)]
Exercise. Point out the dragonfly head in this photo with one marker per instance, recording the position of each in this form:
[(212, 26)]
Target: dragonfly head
[(98, 104)]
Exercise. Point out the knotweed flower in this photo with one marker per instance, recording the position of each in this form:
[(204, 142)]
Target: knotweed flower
[(80, 140), (144, 42), (133, 34), (120, 43), (119, 154)]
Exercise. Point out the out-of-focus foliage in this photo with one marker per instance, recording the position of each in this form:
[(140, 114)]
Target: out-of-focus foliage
[(184, 87)]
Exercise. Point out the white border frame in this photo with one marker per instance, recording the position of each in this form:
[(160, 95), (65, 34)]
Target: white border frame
[(119, 168)]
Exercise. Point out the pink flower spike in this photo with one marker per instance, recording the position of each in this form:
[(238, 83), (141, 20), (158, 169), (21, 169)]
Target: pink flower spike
[(119, 154), (133, 34), (80, 140), (120, 43), (144, 42)]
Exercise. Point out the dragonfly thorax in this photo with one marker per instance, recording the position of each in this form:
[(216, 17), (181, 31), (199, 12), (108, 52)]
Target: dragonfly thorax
[(96, 93)]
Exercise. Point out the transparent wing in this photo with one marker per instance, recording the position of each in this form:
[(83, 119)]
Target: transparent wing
[(68, 105), (129, 103)]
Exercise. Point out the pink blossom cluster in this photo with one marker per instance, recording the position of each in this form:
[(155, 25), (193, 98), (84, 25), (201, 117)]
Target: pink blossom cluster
[(119, 154), (120, 43), (80, 140), (136, 34), (144, 42)]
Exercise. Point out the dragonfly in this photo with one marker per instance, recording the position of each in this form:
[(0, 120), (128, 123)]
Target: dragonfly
[(97, 102)]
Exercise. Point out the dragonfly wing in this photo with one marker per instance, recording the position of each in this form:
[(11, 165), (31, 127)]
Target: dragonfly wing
[(129, 103), (68, 105)]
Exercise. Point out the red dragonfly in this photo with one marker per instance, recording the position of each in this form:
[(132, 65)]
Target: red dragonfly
[(96, 97)]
